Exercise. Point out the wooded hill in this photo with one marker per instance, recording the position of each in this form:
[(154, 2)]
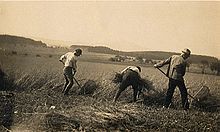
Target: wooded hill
[(16, 42), (149, 55), (9, 41)]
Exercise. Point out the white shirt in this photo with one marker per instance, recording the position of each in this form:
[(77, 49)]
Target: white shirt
[(69, 59), (133, 68)]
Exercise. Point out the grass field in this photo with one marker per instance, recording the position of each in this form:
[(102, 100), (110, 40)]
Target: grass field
[(38, 105)]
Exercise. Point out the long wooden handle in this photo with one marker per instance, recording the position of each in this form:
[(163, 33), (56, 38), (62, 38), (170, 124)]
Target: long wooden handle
[(162, 72), (76, 82), (169, 77)]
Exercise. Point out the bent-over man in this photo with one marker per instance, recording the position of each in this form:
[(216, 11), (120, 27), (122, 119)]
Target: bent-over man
[(130, 76), (69, 61), (175, 72)]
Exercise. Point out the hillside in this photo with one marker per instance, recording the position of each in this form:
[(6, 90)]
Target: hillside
[(8, 41), (26, 44)]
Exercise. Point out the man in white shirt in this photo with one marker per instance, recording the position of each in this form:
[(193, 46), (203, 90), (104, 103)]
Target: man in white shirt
[(133, 68), (130, 76), (69, 61)]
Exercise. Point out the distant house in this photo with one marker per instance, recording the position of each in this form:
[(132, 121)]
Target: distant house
[(130, 59), (120, 58), (117, 58)]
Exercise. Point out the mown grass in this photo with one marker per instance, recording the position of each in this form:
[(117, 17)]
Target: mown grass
[(40, 106)]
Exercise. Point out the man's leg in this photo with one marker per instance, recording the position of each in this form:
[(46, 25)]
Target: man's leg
[(66, 83), (170, 91), (69, 77), (135, 81), (122, 87), (135, 89), (184, 94), (140, 91), (140, 86), (69, 85)]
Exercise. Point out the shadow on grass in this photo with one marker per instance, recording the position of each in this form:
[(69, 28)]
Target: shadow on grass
[(155, 99), (7, 99), (207, 104)]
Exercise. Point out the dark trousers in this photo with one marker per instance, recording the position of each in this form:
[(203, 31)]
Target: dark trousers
[(172, 85), (68, 75), (129, 78)]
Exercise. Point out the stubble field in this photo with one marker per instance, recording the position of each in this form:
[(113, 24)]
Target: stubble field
[(39, 105)]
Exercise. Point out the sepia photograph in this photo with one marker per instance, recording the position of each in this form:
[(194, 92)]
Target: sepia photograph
[(143, 66)]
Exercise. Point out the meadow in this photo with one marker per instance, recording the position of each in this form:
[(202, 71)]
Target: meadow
[(39, 105)]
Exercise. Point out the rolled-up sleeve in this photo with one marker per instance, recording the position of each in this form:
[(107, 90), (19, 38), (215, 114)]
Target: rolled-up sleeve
[(165, 62), (62, 58), (125, 69)]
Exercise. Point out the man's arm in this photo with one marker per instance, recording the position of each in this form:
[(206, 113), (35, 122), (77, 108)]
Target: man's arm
[(74, 66), (161, 64), (62, 58), (125, 69), (61, 61)]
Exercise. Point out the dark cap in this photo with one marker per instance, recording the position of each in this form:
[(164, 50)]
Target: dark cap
[(139, 68), (79, 51)]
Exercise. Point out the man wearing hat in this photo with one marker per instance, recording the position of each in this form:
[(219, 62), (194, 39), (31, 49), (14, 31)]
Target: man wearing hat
[(69, 61), (175, 72)]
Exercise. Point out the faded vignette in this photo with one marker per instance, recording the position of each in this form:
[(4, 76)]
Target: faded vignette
[(112, 35)]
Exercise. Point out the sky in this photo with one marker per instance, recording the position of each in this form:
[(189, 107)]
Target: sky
[(127, 26)]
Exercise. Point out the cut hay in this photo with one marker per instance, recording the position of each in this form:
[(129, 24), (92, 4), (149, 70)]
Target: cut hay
[(147, 85), (155, 99), (203, 93), (88, 88), (210, 104), (117, 78), (58, 122), (205, 101), (152, 97)]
